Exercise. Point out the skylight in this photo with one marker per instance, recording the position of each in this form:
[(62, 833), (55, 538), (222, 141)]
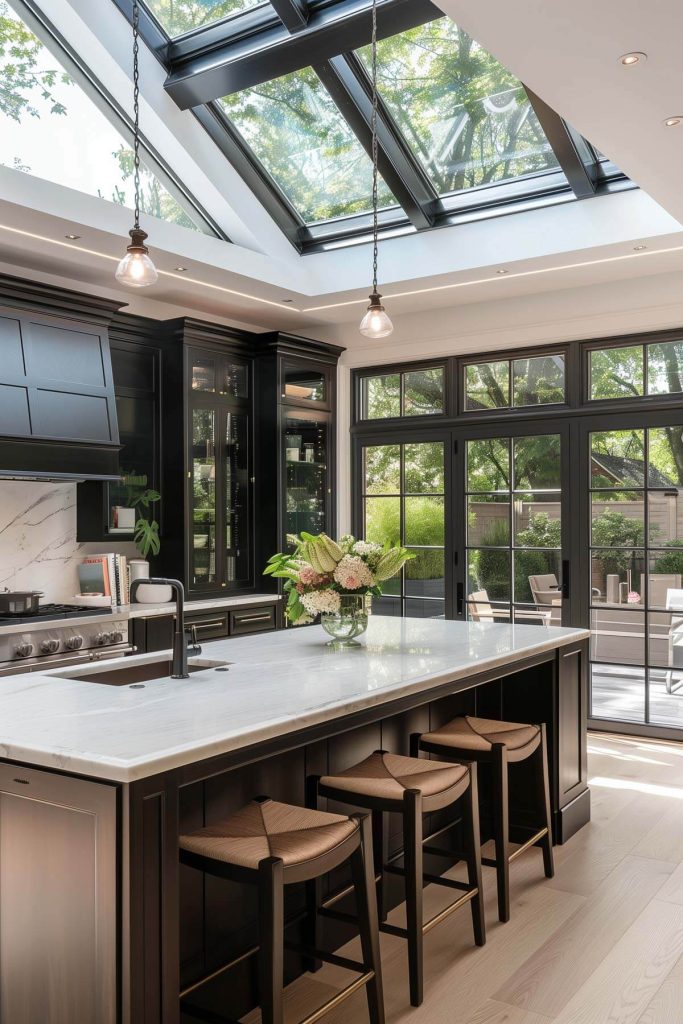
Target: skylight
[(466, 118), (180, 16), (49, 128), (293, 127)]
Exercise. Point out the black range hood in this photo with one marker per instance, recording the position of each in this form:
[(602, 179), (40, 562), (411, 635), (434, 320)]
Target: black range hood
[(57, 402)]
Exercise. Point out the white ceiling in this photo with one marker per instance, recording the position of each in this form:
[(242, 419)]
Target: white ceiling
[(569, 57)]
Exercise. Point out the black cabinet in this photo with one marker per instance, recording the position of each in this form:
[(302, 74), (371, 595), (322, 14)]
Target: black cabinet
[(295, 471), (107, 511)]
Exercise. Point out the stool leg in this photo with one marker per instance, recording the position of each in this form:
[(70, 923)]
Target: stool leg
[(363, 872), (379, 860), (472, 837), (415, 738), (544, 801), (313, 926), (412, 841), (501, 824), (271, 939)]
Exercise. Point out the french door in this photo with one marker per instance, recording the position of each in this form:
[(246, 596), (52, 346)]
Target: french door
[(484, 512)]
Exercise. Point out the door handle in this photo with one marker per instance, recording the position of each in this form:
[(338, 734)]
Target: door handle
[(565, 580), (460, 598)]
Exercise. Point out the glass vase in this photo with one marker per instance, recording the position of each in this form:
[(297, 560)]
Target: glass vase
[(349, 622)]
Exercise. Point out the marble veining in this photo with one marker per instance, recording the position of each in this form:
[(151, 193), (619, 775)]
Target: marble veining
[(276, 683), (38, 546)]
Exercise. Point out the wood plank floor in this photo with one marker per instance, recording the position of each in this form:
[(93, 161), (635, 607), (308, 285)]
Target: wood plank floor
[(601, 943)]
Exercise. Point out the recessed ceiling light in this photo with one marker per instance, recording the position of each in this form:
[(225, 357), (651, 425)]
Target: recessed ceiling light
[(72, 237), (671, 122), (180, 270), (639, 248), (630, 59), (502, 271)]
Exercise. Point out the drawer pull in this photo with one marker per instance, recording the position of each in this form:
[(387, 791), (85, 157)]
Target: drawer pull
[(254, 618), (209, 625)]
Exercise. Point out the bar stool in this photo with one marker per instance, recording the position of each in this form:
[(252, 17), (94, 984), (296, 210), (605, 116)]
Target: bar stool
[(412, 787), (499, 744), (271, 845)]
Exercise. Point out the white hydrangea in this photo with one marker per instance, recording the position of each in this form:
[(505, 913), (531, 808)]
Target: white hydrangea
[(321, 601), (352, 573), (367, 548)]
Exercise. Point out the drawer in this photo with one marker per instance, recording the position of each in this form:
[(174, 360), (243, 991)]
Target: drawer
[(213, 625), (252, 620)]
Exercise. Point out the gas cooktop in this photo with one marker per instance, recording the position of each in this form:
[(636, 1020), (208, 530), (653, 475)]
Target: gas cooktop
[(48, 612)]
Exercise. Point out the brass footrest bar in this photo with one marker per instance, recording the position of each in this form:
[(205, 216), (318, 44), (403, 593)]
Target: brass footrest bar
[(346, 891), (530, 842), (447, 911), (339, 998), (189, 989)]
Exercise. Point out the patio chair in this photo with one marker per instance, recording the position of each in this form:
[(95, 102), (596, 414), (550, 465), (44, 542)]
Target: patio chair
[(547, 596)]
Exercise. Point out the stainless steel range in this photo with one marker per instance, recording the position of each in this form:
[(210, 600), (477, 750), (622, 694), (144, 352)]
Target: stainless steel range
[(59, 634)]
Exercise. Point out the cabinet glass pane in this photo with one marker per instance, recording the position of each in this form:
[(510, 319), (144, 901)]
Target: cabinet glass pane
[(236, 470), (306, 449), (204, 496), (302, 383), (236, 380), (204, 374)]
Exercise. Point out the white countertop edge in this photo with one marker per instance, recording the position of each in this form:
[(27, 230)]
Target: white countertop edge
[(122, 770)]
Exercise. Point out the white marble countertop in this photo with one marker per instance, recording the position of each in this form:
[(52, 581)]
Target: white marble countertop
[(276, 683)]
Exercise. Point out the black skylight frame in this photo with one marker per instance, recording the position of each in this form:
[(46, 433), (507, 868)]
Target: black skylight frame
[(271, 40)]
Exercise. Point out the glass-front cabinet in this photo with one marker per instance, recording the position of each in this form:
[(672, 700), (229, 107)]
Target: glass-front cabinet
[(219, 471), (306, 451)]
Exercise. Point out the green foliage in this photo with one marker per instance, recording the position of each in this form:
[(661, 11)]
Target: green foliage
[(617, 372), (179, 16), (672, 560), (20, 76), (542, 532), (612, 530), (147, 537)]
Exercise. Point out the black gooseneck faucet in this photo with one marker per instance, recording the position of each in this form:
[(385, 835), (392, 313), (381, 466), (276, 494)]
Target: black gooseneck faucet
[(179, 638)]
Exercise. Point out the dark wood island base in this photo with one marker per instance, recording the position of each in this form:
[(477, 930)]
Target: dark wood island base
[(180, 927)]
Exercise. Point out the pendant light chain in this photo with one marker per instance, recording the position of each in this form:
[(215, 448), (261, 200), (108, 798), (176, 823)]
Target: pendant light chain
[(136, 110), (374, 146)]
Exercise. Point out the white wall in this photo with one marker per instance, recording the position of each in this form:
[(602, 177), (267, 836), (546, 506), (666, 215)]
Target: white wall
[(601, 310), (38, 547)]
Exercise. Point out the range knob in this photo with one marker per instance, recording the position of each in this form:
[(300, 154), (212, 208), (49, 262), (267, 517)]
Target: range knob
[(117, 637), (24, 649), (101, 639), (74, 643), (49, 646)]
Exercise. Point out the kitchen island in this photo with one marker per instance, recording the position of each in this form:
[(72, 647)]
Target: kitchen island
[(151, 759)]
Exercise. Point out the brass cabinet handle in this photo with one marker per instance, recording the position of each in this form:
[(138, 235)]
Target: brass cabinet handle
[(207, 625), (253, 618)]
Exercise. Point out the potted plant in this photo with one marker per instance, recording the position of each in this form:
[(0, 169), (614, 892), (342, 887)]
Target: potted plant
[(147, 542)]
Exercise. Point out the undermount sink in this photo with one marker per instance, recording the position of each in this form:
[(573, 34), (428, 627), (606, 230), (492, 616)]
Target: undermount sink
[(125, 675)]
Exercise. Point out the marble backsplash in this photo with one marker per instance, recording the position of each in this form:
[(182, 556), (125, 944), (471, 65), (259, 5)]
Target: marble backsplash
[(38, 546)]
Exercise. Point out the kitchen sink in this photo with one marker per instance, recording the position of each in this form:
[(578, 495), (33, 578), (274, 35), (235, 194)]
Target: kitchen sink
[(142, 672)]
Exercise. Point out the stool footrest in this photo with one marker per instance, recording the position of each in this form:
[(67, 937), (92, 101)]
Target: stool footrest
[(393, 929), (338, 998), (530, 842), (438, 851), (449, 883), (447, 911), (328, 958)]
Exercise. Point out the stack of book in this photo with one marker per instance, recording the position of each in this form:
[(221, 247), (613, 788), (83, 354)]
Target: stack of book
[(105, 576)]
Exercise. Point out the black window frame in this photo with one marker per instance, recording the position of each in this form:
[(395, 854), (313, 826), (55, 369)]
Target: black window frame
[(402, 369), (644, 342)]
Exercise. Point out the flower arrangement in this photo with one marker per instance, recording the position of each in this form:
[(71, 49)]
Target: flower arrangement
[(320, 571)]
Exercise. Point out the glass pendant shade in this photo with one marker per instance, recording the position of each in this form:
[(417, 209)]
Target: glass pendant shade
[(376, 323), (136, 268)]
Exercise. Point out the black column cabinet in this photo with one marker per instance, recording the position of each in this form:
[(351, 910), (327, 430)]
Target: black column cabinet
[(295, 458)]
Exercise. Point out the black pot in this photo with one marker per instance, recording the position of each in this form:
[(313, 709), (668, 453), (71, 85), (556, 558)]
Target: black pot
[(20, 602)]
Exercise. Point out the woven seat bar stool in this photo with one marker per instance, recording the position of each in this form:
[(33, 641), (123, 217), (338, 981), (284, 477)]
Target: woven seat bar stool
[(499, 744), (386, 782), (271, 845)]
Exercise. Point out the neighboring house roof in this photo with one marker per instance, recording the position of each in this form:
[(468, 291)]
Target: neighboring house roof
[(629, 472)]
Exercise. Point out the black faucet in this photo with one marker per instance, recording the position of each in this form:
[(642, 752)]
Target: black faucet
[(179, 639)]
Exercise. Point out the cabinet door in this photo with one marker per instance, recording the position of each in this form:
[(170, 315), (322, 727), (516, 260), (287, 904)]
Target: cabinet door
[(306, 451), (306, 383), (203, 497), (236, 485), (58, 928)]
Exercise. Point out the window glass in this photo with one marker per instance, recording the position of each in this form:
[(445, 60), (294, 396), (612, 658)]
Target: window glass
[(538, 380), (180, 16), (296, 131), (617, 372), (665, 368), (487, 386), (466, 118), (412, 393), (50, 129)]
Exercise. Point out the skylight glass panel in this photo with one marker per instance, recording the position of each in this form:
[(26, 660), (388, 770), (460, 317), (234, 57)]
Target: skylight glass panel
[(180, 16), (466, 118), (294, 128), (50, 129)]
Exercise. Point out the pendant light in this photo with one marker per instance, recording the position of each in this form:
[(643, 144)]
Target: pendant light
[(136, 268), (375, 323)]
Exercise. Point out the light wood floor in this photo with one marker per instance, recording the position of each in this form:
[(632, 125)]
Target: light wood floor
[(601, 943)]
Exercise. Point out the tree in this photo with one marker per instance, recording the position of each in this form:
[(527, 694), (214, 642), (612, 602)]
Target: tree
[(180, 16)]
